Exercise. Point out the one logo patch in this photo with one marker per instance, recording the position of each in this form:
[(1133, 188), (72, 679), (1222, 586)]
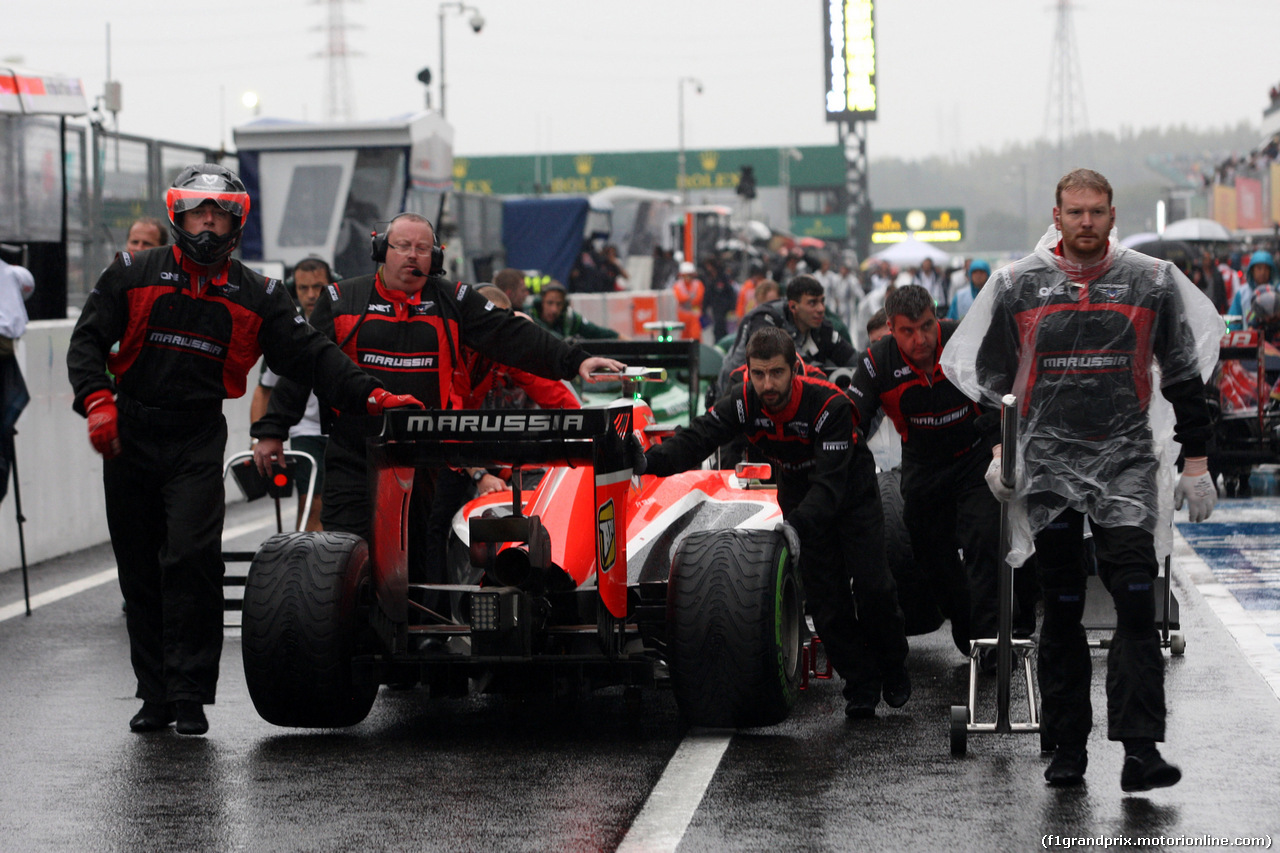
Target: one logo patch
[(606, 536)]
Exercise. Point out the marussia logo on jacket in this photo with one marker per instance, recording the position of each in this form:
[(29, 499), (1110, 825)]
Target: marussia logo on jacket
[(186, 342), (1084, 362), (398, 362)]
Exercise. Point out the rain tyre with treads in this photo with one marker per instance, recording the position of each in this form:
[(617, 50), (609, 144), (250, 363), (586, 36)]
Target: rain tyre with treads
[(304, 621), (914, 597), (734, 619)]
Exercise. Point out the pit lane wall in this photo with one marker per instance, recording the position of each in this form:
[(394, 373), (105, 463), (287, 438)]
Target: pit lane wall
[(60, 475)]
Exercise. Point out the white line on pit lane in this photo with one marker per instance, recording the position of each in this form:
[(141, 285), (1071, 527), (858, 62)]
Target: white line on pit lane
[(671, 805), (67, 590), (1248, 634)]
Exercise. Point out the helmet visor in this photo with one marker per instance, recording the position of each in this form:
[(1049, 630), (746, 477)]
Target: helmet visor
[(181, 199)]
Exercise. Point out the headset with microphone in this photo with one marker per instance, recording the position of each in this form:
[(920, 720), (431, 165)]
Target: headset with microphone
[(379, 250)]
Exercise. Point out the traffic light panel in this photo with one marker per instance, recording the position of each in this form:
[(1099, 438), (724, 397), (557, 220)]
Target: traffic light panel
[(747, 182)]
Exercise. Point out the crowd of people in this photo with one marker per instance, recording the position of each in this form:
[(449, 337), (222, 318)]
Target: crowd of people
[(932, 353)]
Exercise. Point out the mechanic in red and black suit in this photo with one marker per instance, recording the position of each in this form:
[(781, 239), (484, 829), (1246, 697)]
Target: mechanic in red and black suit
[(946, 449), (828, 492), (191, 323), (407, 326)]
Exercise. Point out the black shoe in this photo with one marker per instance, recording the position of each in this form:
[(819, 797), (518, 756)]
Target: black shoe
[(153, 717), (897, 688), (1067, 767), (860, 709), (191, 720), (1144, 774)]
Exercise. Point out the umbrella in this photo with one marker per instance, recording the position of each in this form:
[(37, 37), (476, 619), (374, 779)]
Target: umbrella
[(910, 252), (810, 243), (1134, 239), (1197, 229), (1182, 255)]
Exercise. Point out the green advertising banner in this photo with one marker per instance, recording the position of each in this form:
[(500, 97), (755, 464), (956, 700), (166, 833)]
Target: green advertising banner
[(583, 174), (926, 224)]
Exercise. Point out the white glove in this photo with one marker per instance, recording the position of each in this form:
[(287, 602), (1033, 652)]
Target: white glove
[(1196, 486), (1002, 492)]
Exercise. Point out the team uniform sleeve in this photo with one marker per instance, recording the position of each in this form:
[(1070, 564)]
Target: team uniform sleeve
[(863, 391), (547, 393), (840, 351), (833, 449), (1186, 339), (306, 355), (502, 336), (694, 443), (100, 326)]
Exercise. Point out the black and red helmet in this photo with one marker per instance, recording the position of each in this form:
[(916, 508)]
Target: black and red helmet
[(193, 187)]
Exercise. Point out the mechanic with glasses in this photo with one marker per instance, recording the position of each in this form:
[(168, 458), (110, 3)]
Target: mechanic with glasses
[(408, 326), (828, 491)]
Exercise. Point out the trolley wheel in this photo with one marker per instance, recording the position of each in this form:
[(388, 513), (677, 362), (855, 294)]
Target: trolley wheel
[(959, 729), (1177, 644)]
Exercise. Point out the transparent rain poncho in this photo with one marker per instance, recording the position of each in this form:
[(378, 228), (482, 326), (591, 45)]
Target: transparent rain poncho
[(1085, 362)]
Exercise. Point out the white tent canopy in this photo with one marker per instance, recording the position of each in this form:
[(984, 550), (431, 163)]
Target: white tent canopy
[(911, 252), (1196, 229)]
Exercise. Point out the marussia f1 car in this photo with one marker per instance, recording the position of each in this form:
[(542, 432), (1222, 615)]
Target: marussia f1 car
[(598, 578)]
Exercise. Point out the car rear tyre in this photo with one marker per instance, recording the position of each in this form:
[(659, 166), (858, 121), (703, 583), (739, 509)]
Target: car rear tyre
[(735, 609), (918, 606), (302, 626)]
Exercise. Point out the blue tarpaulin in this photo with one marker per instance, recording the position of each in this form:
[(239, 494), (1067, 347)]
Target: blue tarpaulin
[(544, 234)]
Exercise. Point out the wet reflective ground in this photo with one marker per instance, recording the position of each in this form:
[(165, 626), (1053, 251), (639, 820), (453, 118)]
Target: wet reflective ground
[(497, 774)]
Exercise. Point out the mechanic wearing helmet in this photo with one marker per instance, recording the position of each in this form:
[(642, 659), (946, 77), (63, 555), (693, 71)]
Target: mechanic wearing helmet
[(689, 292), (946, 444), (1262, 270), (1074, 331), (191, 323), (827, 490), (803, 315), (408, 326), (979, 272)]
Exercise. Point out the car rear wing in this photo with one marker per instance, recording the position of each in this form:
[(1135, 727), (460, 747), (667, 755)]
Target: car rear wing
[(414, 438), (670, 355)]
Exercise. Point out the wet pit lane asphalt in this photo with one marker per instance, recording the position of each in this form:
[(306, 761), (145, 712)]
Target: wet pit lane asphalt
[(490, 773)]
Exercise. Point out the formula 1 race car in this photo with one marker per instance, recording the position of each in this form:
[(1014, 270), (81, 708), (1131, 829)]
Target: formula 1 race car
[(598, 578), (1246, 422)]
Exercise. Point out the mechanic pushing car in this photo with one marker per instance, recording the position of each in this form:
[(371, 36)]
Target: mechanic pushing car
[(406, 325), (803, 315), (827, 491), (946, 447), (191, 323), (1075, 332)]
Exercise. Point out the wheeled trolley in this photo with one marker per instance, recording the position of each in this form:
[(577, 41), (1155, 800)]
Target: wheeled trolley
[(964, 717), (1100, 612), (253, 486)]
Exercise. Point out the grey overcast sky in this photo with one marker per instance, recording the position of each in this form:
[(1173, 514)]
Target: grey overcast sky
[(602, 75)]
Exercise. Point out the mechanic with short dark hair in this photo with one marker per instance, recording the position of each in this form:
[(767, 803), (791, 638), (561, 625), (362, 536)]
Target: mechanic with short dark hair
[(827, 490), (802, 315), (1075, 331), (191, 323), (408, 326), (310, 277), (511, 282), (146, 232), (946, 447)]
